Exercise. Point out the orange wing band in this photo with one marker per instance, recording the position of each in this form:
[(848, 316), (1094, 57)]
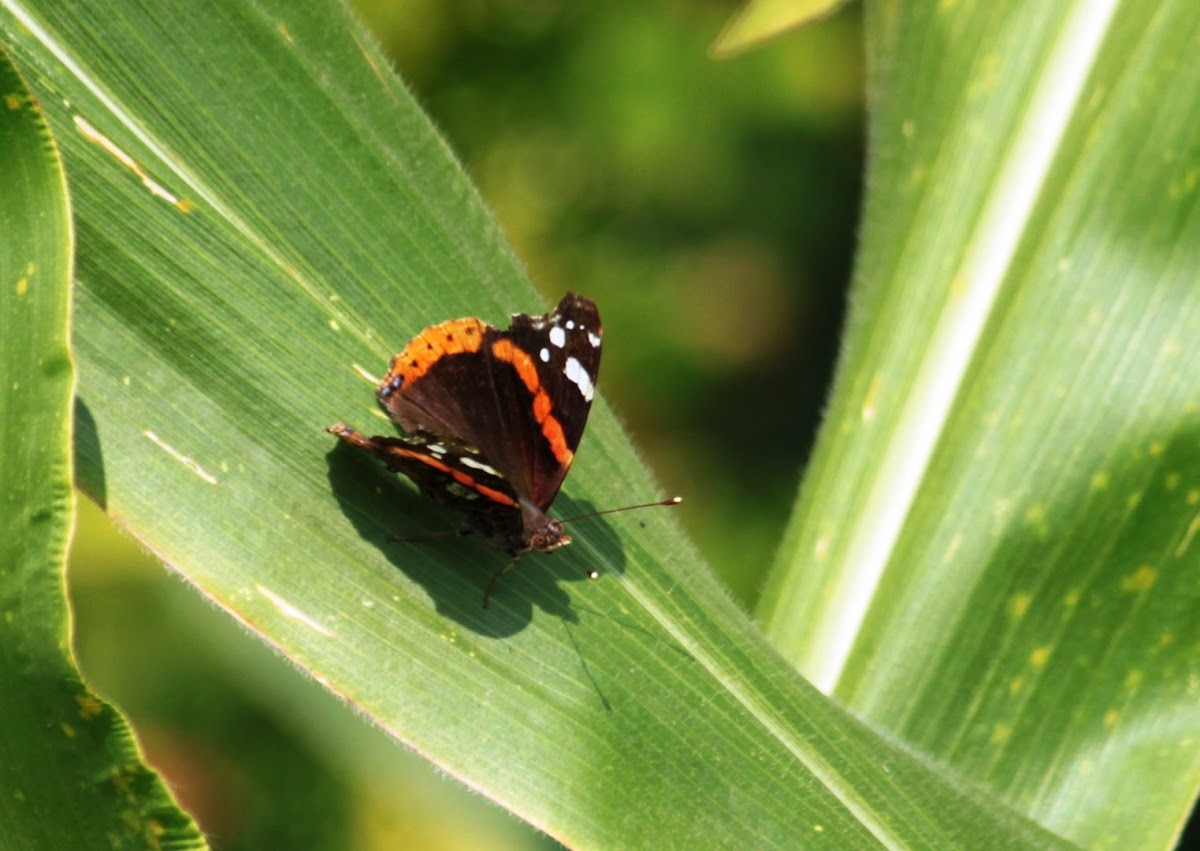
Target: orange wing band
[(542, 407), (425, 349)]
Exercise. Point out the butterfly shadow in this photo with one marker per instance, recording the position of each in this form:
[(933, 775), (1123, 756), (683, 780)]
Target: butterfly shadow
[(454, 569)]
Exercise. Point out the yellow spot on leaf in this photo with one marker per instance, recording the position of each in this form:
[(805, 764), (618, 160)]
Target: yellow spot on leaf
[(1016, 685), (1100, 480), (1111, 717), (22, 286), (12, 101), (988, 75), (68, 730), (89, 706), (952, 550), (1140, 579), (868, 405), (1035, 518), (122, 779), (1039, 657), (1133, 679), (1001, 733), (1018, 605)]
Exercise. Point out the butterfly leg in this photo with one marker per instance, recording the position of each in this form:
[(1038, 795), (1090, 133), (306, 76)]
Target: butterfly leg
[(491, 586)]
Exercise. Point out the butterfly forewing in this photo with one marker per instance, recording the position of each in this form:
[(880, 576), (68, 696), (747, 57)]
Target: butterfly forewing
[(564, 347)]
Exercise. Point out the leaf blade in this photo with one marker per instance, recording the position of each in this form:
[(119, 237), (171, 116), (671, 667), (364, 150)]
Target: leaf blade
[(1010, 560), (65, 750)]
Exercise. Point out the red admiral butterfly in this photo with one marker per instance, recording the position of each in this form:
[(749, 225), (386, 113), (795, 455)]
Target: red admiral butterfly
[(493, 419)]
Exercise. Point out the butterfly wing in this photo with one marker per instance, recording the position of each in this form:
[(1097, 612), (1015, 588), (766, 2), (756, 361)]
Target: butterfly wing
[(452, 474), (520, 396)]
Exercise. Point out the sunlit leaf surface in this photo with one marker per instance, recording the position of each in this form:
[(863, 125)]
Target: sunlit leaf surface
[(996, 553)]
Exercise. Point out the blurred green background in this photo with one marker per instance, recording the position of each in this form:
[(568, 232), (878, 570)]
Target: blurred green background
[(708, 206)]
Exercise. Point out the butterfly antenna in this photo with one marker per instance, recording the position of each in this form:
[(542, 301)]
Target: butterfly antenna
[(675, 500)]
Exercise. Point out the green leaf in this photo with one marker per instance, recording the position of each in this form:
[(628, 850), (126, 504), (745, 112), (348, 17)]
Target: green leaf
[(264, 218), (765, 19), (69, 769), (995, 555)]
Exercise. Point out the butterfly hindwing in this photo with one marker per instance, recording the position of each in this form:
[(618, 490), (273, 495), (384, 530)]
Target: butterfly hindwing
[(452, 474)]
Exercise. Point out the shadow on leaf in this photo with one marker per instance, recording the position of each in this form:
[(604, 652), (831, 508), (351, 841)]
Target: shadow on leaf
[(454, 570)]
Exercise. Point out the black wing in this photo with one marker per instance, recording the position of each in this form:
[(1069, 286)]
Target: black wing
[(521, 396)]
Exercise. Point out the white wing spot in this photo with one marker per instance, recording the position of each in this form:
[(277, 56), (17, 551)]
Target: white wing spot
[(544, 354), (290, 611), (180, 457), (594, 339), (478, 465), (436, 448), (570, 324), (558, 336), (577, 374)]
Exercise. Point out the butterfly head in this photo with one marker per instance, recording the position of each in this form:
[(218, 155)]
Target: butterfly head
[(542, 532)]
